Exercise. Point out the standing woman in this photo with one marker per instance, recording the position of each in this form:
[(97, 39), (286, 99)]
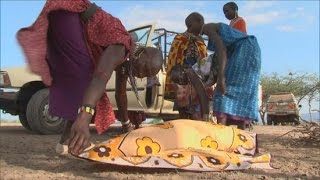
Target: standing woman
[(239, 59), (230, 10), (186, 49)]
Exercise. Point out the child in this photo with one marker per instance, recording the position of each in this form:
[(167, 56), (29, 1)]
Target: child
[(230, 10)]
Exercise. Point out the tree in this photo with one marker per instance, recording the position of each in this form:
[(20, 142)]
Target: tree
[(313, 95), (302, 85)]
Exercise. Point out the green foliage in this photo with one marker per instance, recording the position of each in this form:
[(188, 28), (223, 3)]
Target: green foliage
[(300, 84)]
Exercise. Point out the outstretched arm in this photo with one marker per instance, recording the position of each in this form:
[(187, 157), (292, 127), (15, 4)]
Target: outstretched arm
[(211, 30), (121, 93), (112, 56)]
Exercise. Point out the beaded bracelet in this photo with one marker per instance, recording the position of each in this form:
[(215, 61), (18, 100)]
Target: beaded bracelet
[(87, 108)]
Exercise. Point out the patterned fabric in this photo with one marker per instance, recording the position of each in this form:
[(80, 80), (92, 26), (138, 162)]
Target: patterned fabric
[(242, 74), (239, 24), (182, 144), (192, 51), (184, 45), (102, 30)]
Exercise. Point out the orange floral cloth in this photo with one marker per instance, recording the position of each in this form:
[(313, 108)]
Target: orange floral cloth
[(182, 144)]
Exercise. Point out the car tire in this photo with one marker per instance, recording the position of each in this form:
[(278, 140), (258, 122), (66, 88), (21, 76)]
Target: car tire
[(151, 95), (296, 121), (23, 120), (269, 120), (169, 117), (37, 115)]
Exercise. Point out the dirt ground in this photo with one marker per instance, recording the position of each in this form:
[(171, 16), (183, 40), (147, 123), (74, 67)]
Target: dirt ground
[(25, 155)]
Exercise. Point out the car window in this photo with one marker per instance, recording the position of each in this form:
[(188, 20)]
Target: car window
[(162, 40), (281, 97), (140, 36)]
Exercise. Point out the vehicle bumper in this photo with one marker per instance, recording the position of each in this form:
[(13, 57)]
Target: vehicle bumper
[(8, 102), (282, 113)]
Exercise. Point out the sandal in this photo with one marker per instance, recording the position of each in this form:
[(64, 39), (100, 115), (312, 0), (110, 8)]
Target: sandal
[(127, 127), (62, 149)]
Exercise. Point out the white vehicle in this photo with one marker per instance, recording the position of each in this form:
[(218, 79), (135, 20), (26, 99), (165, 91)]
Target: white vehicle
[(282, 108), (30, 101)]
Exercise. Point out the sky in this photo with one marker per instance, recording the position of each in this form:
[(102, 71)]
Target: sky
[(287, 31)]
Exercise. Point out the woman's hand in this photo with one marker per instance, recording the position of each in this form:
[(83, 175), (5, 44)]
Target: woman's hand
[(80, 134), (221, 85), (210, 81)]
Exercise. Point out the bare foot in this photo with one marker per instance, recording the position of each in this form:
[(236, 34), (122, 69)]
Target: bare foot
[(222, 121)]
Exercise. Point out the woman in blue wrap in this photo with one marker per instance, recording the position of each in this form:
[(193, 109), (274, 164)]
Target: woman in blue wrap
[(239, 59)]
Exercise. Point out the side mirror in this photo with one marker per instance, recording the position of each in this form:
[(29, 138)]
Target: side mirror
[(299, 105)]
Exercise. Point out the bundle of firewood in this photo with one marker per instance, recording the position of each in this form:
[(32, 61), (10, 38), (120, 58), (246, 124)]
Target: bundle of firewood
[(308, 132)]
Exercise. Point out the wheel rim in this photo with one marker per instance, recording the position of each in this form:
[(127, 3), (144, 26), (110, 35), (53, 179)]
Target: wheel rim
[(50, 120)]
